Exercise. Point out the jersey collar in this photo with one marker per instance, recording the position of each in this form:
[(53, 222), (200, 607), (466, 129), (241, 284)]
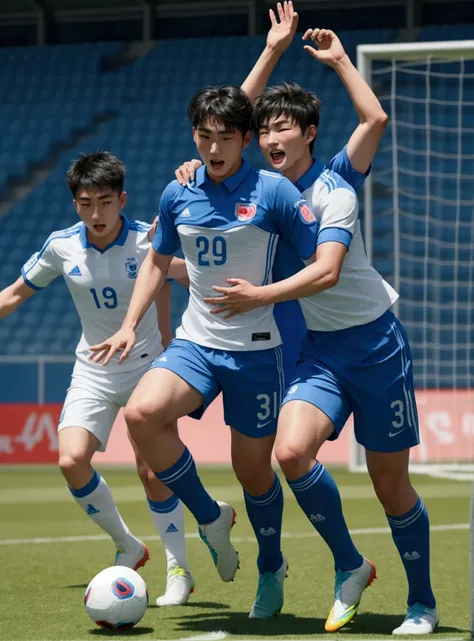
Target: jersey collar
[(232, 182), (120, 240), (310, 177)]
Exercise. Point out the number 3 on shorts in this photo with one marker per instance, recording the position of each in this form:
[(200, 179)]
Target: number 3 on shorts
[(268, 409)]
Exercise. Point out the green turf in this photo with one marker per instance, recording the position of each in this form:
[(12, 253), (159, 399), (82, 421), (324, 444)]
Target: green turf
[(43, 584)]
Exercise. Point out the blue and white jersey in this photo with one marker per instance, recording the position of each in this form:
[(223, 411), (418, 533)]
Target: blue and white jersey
[(361, 295), (232, 229), (101, 285)]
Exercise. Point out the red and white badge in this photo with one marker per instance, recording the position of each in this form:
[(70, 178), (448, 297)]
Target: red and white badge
[(245, 211), (306, 213)]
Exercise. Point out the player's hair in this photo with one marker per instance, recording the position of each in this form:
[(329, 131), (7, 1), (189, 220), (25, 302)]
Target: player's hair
[(288, 99), (97, 170), (225, 105)]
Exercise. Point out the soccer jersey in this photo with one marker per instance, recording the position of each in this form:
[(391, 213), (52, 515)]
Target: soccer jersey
[(231, 229), (101, 285), (361, 294)]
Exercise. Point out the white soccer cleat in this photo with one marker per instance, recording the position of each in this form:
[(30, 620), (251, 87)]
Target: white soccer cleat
[(419, 620), (216, 536), (179, 586), (135, 558), (347, 594)]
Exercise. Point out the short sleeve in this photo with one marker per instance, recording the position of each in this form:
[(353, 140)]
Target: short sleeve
[(43, 267), (339, 217), (341, 164), (295, 220), (166, 240)]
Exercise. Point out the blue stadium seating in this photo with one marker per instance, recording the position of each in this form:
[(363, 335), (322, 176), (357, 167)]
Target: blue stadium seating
[(54, 91)]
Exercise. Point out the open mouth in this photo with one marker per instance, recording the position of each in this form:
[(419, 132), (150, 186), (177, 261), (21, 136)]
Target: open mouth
[(217, 164), (277, 157), (99, 228)]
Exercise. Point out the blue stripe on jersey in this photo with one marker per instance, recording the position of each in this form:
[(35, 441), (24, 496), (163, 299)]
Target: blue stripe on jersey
[(28, 282), (335, 234), (269, 260), (324, 178), (138, 225), (68, 233)]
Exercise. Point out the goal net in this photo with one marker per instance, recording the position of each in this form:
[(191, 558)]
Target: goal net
[(419, 232)]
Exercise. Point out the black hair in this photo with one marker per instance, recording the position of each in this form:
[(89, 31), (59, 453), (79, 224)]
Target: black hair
[(288, 99), (97, 170), (225, 105)]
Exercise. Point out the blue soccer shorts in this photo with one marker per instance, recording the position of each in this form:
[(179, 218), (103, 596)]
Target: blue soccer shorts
[(365, 370), (252, 383)]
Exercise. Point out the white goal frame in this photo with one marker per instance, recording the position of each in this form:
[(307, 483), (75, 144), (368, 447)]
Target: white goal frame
[(403, 51)]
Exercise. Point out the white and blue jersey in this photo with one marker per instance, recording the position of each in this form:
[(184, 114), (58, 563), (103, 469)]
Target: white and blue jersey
[(232, 229), (101, 285), (356, 357)]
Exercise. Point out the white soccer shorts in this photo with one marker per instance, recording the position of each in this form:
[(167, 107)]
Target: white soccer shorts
[(94, 399)]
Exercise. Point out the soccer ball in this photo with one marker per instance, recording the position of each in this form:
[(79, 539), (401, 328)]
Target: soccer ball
[(116, 598)]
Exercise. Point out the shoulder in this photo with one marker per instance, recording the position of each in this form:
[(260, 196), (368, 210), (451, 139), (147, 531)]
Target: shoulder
[(139, 226), (278, 185), (332, 181), (172, 192), (62, 236)]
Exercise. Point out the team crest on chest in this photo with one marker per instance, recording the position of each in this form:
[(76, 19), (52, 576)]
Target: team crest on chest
[(245, 211), (306, 213), (131, 267)]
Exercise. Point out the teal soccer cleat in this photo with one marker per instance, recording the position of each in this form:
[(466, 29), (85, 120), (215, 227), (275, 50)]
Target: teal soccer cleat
[(269, 599)]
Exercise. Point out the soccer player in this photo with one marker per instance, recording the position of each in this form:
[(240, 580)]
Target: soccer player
[(227, 222), (99, 259), (356, 357)]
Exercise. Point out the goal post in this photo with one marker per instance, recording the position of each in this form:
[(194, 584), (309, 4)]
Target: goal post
[(419, 233)]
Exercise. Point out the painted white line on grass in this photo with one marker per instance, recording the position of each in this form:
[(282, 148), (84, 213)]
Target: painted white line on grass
[(208, 636), (444, 527)]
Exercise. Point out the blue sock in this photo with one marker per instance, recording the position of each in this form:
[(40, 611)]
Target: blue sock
[(265, 513), (182, 479), (318, 497), (411, 534)]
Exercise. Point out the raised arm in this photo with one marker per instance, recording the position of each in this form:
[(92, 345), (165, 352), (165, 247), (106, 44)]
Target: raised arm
[(150, 280), (279, 38), (13, 296), (364, 141)]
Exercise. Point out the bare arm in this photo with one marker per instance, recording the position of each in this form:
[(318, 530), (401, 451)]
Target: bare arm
[(13, 296), (162, 302), (372, 118), (150, 280), (278, 40)]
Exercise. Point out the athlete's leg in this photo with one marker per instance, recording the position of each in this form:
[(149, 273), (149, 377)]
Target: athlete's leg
[(161, 397), (168, 517), (302, 429), (408, 520), (76, 448)]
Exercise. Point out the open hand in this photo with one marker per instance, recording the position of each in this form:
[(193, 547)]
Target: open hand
[(239, 298), (124, 340), (187, 170), (282, 32)]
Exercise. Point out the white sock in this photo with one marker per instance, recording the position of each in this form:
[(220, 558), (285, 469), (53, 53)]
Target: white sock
[(96, 500), (168, 517)]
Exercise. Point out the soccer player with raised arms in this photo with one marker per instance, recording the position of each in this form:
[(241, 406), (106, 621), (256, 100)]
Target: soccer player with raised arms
[(356, 357), (228, 221), (99, 259)]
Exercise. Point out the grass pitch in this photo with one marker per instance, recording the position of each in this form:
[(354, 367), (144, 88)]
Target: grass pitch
[(49, 551)]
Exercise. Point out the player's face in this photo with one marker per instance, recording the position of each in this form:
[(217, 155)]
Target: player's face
[(99, 210), (284, 145), (220, 149)]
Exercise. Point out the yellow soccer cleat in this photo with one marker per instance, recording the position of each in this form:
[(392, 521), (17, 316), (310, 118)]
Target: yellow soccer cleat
[(347, 594)]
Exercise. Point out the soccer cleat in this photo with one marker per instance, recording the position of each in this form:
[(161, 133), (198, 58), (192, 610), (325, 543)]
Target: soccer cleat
[(179, 585), (419, 620), (216, 536), (269, 599), (132, 559), (347, 594)]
